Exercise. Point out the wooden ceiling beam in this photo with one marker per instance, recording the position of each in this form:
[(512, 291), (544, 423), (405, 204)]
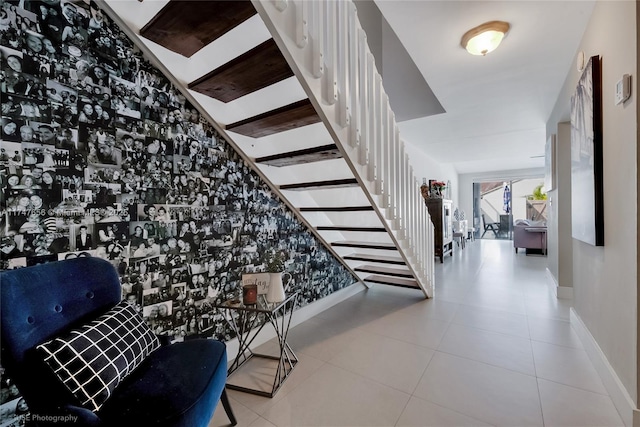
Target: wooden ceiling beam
[(281, 119), (186, 26), (255, 69)]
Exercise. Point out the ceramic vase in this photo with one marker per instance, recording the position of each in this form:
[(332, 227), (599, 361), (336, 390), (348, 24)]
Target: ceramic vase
[(276, 288)]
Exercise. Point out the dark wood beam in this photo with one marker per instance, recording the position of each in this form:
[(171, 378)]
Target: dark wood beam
[(350, 228), (281, 119), (387, 271), (318, 185), (255, 69), (336, 209), (186, 26), (299, 157), (368, 245), (376, 258), (393, 281)]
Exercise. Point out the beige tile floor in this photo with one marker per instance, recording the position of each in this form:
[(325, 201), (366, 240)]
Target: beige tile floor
[(494, 347)]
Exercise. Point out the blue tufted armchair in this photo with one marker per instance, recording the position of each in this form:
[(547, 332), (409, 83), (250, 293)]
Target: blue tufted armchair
[(177, 384)]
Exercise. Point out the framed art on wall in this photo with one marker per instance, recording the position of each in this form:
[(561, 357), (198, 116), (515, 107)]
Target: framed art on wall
[(587, 198)]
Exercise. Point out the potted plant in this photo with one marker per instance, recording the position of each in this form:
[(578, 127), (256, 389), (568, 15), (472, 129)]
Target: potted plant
[(437, 189), (275, 267), (538, 193), (536, 204)]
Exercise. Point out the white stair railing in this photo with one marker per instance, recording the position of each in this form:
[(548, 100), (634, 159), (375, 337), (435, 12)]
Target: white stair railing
[(327, 49)]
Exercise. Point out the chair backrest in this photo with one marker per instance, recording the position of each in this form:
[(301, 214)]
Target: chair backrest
[(40, 302)]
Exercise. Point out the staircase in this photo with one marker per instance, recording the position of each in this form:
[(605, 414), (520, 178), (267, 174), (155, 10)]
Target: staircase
[(256, 70)]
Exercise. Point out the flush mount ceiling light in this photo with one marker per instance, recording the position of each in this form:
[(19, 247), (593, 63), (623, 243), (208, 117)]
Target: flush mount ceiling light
[(484, 38)]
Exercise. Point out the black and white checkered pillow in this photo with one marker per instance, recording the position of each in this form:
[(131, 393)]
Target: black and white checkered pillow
[(93, 359)]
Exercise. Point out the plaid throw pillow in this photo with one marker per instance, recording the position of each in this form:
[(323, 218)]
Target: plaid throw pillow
[(92, 360)]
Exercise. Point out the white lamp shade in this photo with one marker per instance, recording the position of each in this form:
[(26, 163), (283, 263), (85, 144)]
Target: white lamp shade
[(484, 43), (484, 38)]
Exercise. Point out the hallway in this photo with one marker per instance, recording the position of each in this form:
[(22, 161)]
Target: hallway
[(494, 347)]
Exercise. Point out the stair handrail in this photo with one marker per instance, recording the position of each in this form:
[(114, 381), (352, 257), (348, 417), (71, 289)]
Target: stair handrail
[(327, 48)]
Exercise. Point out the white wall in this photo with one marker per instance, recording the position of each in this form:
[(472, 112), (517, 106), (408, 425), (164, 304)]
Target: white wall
[(425, 167), (605, 279), (409, 94), (559, 241)]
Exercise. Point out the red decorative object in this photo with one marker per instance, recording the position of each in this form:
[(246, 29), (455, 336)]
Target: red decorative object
[(250, 294)]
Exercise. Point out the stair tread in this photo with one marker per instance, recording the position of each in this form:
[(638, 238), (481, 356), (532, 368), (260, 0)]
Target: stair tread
[(394, 281), (186, 26), (336, 183), (389, 271), (298, 157), (336, 208), (351, 228), (375, 258), (370, 245), (255, 69), (281, 119)]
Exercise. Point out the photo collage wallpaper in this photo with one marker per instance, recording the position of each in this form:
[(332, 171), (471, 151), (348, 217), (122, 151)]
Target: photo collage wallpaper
[(102, 156)]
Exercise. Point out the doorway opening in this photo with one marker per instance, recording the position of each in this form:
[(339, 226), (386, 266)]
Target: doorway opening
[(497, 204)]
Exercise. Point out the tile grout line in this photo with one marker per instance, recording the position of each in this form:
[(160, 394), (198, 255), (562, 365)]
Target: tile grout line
[(535, 370)]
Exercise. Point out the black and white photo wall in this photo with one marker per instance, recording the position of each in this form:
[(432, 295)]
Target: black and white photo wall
[(102, 156)]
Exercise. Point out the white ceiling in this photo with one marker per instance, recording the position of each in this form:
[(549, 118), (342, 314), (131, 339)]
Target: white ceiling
[(497, 105)]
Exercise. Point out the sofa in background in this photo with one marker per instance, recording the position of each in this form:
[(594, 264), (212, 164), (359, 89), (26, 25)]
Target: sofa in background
[(530, 239)]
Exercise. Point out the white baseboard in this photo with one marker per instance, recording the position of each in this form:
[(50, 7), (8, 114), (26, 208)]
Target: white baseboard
[(563, 292), (618, 393), (299, 316)]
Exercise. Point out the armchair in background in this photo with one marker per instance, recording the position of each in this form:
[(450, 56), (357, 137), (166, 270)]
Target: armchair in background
[(65, 309), (490, 226), (533, 239)]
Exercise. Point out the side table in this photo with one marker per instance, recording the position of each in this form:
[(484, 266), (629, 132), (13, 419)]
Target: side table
[(247, 321)]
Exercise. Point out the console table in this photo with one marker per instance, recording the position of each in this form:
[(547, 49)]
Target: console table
[(440, 212), (247, 321)]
